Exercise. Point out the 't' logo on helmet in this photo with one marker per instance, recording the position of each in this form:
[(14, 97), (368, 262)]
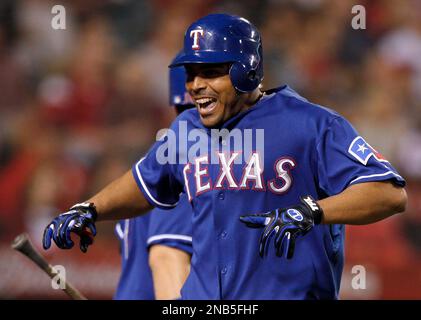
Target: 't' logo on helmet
[(195, 35)]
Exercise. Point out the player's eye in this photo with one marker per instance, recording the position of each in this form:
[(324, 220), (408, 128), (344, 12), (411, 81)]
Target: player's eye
[(211, 73), (206, 71), (190, 77), (191, 73)]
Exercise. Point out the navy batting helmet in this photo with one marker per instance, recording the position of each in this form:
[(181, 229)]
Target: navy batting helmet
[(219, 38), (177, 83)]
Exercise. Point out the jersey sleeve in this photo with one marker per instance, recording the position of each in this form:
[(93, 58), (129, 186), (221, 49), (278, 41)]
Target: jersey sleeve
[(344, 158), (172, 228), (118, 229), (156, 174), (119, 232)]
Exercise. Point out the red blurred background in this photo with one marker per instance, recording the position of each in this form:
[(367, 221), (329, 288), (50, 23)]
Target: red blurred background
[(79, 106)]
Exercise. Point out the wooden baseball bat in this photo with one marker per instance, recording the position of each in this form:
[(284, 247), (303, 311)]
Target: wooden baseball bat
[(23, 244)]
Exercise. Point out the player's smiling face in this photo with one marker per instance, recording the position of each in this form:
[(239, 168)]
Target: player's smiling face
[(210, 86)]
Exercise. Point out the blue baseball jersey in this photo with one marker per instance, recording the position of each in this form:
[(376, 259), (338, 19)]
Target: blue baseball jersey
[(166, 227), (307, 150)]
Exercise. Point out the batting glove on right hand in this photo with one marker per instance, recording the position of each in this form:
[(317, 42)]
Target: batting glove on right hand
[(285, 224), (80, 219)]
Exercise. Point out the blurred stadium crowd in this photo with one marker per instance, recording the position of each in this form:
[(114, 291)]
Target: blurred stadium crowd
[(79, 106)]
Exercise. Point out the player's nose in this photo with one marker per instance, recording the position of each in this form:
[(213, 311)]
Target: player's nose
[(197, 84)]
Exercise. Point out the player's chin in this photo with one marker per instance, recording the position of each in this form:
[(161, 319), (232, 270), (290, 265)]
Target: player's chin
[(211, 121), (212, 117)]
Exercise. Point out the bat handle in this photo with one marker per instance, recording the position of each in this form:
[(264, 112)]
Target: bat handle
[(68, 287), (23, 244), (73, 292)]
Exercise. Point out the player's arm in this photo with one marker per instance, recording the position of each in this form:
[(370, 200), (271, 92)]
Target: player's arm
[(148, 183), (341, 158), (363, 203), (170, 268), (121, 199), (118, 200)]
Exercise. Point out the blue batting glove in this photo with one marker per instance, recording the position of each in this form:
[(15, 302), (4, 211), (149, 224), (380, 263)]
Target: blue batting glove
[(285, 225), (80, 219)]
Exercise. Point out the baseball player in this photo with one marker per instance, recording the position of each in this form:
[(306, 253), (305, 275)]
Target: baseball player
[(156, 248), (269, 211)]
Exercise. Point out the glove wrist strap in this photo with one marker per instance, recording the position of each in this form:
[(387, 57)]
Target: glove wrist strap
[(87, 206), (314, 208)]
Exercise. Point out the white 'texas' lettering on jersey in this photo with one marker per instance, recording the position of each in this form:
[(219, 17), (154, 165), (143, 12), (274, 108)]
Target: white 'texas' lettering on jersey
[(199, 173), (252, 177), (253, 171), (282, 173), (186, 169), (226, 170)]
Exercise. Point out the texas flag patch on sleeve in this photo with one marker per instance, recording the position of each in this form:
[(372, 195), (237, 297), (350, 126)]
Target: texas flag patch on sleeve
[(362, 151)]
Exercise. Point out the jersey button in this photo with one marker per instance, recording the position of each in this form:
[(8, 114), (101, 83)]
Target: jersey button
[(221, 196), (224, 270)]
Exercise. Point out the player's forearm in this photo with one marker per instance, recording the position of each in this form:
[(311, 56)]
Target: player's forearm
[(170, 268), (120, 199), (364, 203)]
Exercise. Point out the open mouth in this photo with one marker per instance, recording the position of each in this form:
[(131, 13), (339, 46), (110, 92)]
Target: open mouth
[(206, 105)]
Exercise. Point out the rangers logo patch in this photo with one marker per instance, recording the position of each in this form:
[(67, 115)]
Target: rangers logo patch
[(362, 151)]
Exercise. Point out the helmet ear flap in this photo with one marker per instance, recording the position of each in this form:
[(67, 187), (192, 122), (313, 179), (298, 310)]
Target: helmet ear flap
[(243, 79)]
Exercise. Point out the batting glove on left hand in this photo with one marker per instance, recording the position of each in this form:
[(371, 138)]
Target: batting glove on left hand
[(285, 224), (80, 219)]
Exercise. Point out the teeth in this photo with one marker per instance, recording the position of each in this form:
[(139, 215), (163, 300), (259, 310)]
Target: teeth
[(204, 100)]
